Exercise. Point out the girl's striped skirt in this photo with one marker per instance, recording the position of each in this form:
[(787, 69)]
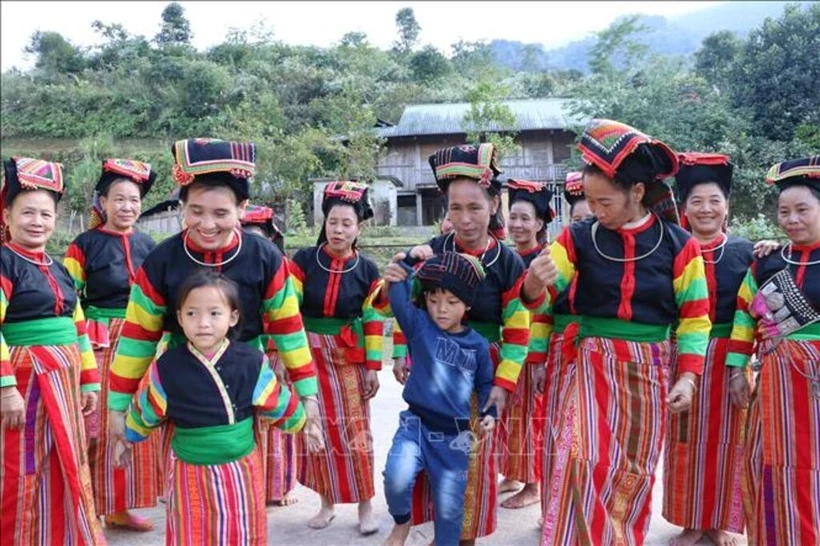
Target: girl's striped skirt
[(217, 505), (343, 471), (136, 485), (45, 484), (782, 474), (621, 409), (279, 453), (523, 430), (559, 420), (703, 460), (481, 496)]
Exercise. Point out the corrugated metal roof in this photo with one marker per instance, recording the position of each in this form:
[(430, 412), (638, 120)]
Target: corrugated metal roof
[(447, 118)]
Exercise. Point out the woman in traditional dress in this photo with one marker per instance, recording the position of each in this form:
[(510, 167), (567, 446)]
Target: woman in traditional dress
[(636, 273), (704, 446), (334, 284), (103, 263), (530, 213), (278, 449), (778, 308), (468, 177), (214, 176), (556, 376), (48, 376)]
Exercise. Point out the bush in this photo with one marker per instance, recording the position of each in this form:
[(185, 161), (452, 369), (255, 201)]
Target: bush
[(756, 229)]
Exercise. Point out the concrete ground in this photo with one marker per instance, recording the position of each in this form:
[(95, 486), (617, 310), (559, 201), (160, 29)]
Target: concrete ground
[(287, 525)]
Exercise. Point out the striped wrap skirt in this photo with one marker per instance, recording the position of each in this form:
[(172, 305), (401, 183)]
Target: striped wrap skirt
[(605, 497), (480, 497), (217, 505), (703, 460), (781, 483), (343, 471), (136, 485), (522, 430), (45, 483)]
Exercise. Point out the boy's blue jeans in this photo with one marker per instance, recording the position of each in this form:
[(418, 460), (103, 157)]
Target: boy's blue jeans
[(445, 457)]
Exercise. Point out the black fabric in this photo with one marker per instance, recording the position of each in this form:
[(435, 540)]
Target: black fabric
[(540, 200), (194, 400), (452, 272), (726, 276), (31, 296), (808, 280), (689, 176), (107, 283)]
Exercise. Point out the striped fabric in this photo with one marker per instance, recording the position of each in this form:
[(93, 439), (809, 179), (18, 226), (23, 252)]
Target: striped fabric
[(343, 471), (481, 496), (782, 474), (703, 459), (515, 337), (45, 484), (741, 342), (621, 407), (278, 453), (521, 433), (217, 505), (136, 485)]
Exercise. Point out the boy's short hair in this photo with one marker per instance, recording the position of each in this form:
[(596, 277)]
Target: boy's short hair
[(452, 271)]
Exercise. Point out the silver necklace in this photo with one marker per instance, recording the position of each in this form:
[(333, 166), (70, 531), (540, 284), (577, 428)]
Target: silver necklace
[(789, 259), (188, 252), (339, 271), (721, 247), (450, 237), (625, 260), (48, 263)]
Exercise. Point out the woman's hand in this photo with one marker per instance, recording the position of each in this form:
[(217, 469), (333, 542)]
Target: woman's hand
[(498, 397), (371, 384), (682, 393), (394, 273), (539, 378), (400, 369), (88, 400), (740, 390), (764, 248), (422, 252), (13, 407), (542, 273), (122, 454), (314, 439), (487, 424)]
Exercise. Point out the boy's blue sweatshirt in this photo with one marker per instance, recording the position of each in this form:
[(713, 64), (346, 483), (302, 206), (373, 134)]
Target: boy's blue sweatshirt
[(447, 367)]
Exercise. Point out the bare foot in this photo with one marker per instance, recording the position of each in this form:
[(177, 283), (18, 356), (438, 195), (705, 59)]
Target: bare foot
[(525, 497), (323, 518), (130, 521), (398, 535), (287, 500), (687, 537), (367, 523), (722, 538), (466, 542), (508, 485)]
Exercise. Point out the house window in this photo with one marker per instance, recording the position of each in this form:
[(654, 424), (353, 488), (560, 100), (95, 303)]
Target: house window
[(406, 210)]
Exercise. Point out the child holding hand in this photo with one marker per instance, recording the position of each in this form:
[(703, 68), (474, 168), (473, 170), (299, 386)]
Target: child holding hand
[(451, 362)]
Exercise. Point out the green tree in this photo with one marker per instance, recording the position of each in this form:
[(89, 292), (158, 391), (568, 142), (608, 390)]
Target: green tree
[(617, 49), (175, 28), (54, 53), (488, 118), (716, 57), (429, 65), (409, 30)]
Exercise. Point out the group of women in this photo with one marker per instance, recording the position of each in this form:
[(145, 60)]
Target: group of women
[(630, 333)]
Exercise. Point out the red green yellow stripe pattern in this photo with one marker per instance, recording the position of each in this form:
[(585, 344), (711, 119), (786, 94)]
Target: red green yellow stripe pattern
[(74, 261), (6, 374), (741, 342)]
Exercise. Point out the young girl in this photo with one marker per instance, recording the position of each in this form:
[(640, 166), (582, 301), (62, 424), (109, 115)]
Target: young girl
[(209, 389)]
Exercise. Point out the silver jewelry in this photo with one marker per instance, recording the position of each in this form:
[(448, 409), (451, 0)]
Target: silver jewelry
[(721, 247), (450, 237), (789, 259), (35, 262), (626, 260), (339, 271), (229, 260)]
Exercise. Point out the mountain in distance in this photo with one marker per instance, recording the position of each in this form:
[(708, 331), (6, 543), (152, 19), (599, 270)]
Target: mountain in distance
[(679, 35)]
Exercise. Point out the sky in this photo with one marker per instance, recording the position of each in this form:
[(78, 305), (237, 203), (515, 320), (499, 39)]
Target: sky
[(324, 23)]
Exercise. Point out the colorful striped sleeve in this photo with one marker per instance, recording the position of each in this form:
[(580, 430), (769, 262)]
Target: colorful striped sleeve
[(540, 329), (89, 375), (74, 261), (399, 341), (692, 300), (137, 346), (274, 401), (741, 342), (7, 378), (373, 331), (281, 305), (148, 408), (515, 337), (298, 278)]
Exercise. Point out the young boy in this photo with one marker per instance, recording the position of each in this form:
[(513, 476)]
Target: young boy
[(450, 362)]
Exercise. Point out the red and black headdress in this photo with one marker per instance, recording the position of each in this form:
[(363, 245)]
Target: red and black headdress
[(535, 193), (233, 163), (257, 215), (796, 172), (28, 174), (574, 187), (346, 192), (138, 172)]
